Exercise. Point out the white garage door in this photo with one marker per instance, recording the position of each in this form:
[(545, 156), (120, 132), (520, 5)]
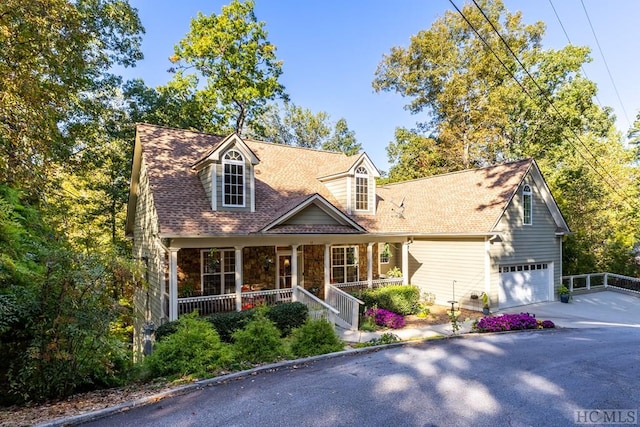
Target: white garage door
[(523, 284)]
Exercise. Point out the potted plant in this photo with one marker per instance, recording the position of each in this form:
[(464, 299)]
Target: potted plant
[(564, 293), (485, 304)]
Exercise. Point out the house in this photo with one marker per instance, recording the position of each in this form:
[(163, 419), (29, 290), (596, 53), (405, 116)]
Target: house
[(223, 223)]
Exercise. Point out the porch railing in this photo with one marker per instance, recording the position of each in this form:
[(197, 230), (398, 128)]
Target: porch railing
[(347, 305), (209, 304), (578, 282), (318, 309)]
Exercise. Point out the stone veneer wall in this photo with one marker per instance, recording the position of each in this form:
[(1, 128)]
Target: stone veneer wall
[(314, 268), (188, 272), (254, 272)]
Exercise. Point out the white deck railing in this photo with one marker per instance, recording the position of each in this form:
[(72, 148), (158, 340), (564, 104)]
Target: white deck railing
[(227, 302), (347, 305), (318, 309), (601, 280), (364, 284)]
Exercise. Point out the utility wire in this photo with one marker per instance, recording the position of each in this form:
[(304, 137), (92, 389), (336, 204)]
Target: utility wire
[(569, 40), (539, 88), (615, 88)]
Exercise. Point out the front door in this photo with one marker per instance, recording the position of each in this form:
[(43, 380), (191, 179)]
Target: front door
[(284, 271)]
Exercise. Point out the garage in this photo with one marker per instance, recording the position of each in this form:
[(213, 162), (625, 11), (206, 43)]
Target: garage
[(524, 284)]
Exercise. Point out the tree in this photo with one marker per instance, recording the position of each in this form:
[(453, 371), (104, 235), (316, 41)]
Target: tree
[(634, 136), (301, 127), (53, 50), (343, 140), (474, 112), (232, 53)]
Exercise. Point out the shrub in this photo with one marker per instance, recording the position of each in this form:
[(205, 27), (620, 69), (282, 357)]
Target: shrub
[(166, 329), (386, 338), (399, 299), (546, 324), (386, 318), (194, 349), (507, 322), (228, 323), (315, 337), (259, 341), (288, 316)]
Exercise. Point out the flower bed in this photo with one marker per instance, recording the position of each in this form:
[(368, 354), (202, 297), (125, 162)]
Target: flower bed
[(386, 318), (511, 322)]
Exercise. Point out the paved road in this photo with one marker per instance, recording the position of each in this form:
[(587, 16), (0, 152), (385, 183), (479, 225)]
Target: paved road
[(536, 378)]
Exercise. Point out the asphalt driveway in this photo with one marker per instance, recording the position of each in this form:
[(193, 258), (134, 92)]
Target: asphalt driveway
[(593, 310)]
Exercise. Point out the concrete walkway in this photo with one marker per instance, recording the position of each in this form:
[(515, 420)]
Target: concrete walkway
[(598, 309), (592, 310)]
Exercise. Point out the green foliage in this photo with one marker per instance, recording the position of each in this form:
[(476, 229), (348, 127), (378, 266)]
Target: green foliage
[(300, 127), (231, 52), (166, 329), (228, 323), (315, 337), (194, 349), (259, 341), (288, 316), (398, 298), (394, 272), (386, 338)]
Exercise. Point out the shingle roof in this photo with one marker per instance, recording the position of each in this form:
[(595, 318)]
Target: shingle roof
[(464, 202), (469, 201)]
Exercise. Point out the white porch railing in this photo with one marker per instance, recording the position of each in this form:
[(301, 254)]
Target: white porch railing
[(601, 280), (347, 305), (318, 309), (227, 302)]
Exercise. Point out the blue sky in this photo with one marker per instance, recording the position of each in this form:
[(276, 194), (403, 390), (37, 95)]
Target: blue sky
[(331, 48)]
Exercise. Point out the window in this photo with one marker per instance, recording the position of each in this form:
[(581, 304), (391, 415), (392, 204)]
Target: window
[(362, 189), (344, 264), (233, 179), (385, 254), (527, 201), (218, 271)]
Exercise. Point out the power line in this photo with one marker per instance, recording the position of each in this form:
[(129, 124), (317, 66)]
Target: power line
[(569, 40), (615, 88), (539, 88)]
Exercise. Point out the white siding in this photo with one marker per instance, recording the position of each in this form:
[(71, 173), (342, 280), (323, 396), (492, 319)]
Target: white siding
[(435, 264), (338, 187)]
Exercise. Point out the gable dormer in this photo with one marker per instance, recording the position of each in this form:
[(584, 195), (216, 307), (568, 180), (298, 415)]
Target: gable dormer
[(227, 175), (355, 188)]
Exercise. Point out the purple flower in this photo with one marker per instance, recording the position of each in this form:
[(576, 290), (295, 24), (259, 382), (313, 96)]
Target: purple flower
[(386, 318), (508, 322)]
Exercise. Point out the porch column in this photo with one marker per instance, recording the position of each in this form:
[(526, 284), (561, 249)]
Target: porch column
[(173, 283), (370, 265), (238, 278), (405, 263), (327, 269), (294, 266)]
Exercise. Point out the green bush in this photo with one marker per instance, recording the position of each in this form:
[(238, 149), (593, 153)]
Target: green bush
[(228, 323), (399, 299), (288, 316), (166, 329), (259, 341), (194, 349), (315, 337)]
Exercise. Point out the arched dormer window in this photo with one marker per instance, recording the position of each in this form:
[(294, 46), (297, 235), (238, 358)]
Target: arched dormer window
[(527, 204), (233, 188), (362, 189)]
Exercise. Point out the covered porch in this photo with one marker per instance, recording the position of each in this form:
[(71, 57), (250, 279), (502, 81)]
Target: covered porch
[(213, 276)]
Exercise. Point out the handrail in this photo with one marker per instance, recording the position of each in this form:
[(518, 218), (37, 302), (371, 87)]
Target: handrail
[(347, 305), (318, 309), (606, 283)]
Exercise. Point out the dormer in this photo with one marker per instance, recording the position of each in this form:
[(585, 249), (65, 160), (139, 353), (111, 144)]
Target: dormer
[(227, 175), (355, 188)]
